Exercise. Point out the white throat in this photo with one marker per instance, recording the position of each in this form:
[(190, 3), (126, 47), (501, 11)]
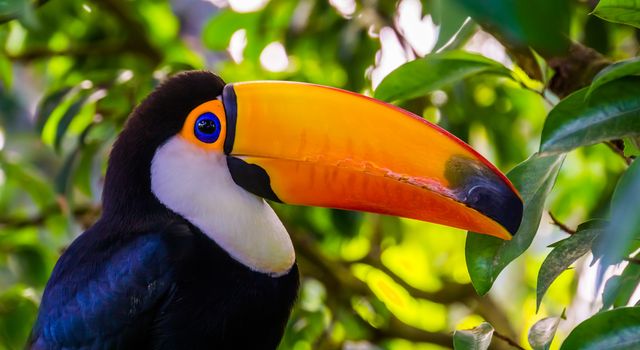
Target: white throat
[(197, 185)]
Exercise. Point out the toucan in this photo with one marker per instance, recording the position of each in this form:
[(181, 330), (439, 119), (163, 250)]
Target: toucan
[(188, 254)]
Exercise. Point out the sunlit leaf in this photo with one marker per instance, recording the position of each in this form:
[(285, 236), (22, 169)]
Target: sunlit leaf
[(487, 256), (478, 338), (48, 105), (542, 332), (615, 71), (565, 253), (612, 112), (625, 221), (67, 118), (6, 74), (432, 72), (543, 26), (618, 329), (619, 11)]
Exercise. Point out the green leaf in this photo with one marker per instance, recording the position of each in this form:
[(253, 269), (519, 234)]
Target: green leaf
[(452, 20), (66, 120), (612, 112), (543, 27), (86, 169), (28, 262), (32, 182), (624, 228), (477, 338), (432, 72), (565, 253), (617, 329), (6, 74), (18, 309), (542, 332), (619, 289), (487, 256), (63, 179), (218, 31), (615, 71), (632, 147), (619, 11), (48, 105)]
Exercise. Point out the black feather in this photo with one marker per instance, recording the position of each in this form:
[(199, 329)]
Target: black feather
[(142, 276)]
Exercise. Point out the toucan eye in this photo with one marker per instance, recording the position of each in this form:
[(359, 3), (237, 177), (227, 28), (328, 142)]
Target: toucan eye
[(207, 127)]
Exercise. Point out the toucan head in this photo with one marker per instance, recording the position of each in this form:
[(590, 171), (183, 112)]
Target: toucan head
[(211, 152)]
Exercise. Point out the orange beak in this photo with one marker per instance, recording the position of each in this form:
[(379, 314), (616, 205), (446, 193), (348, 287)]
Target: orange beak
[(313, 145)]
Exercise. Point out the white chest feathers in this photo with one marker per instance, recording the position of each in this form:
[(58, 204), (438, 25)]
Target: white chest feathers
[(197, 185)]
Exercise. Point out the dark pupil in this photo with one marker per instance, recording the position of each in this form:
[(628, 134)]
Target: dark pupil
[(207, 126)]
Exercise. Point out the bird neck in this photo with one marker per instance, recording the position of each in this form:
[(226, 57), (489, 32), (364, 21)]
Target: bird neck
[(242, 224), (128, 205)]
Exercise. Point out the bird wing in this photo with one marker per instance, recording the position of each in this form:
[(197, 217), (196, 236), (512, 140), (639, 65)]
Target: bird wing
[(105, 294)]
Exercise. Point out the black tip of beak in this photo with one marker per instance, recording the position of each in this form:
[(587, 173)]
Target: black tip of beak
[(478, 187)]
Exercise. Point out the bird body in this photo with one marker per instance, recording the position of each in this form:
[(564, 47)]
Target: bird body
[(162, 289), (188, 254)]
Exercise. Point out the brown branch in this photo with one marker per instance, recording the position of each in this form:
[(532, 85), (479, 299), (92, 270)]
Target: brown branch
[(633, 260), (561, 225), (508, 340), (574, 69), (617, 146)]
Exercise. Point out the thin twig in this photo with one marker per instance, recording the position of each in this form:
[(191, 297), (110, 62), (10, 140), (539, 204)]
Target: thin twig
[(508, 340), (562, 226), (633, 260), (615, 147)]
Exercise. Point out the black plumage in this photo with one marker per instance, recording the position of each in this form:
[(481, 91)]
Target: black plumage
[(144, 277)]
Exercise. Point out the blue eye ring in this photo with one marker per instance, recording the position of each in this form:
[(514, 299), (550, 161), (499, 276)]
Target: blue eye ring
[(207, 127)]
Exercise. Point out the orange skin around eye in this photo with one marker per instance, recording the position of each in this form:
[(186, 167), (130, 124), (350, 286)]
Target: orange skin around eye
[(188, 133)]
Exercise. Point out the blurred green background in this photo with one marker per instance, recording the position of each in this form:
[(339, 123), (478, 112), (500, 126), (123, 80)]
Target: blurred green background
[(72, 70)]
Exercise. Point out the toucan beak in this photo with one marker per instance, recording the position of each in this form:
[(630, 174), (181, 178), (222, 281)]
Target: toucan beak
[(313, 145)]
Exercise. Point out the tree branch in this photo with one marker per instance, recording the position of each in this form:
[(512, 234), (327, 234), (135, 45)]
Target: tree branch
[(559, 224), (573, 70), (508, 340)]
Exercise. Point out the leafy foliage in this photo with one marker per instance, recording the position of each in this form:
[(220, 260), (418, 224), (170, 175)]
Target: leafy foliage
[(614, 329), (432, 72), (621, 11), (611, 112), (565, 253), (478, 338), (516, 80), (488, 256), (542, 332)]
